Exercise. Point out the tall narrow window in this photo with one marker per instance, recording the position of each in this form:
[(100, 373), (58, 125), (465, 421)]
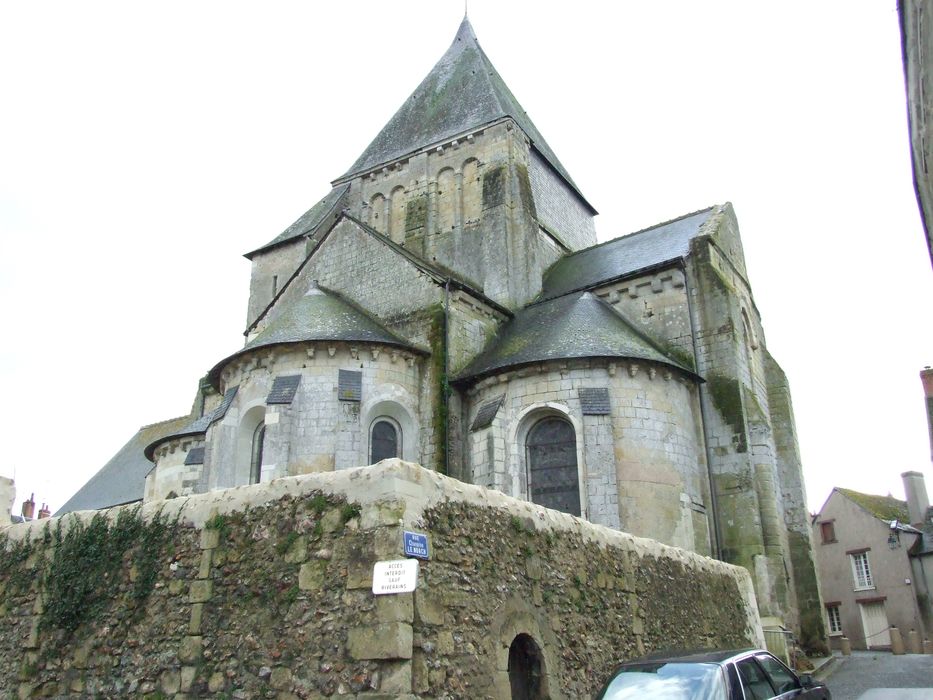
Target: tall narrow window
[(255, 462), (377, 213), (446, 200), (860, 571), (828, 532), (397, 215), (834, 619), (275, 285), (385, 440), (553, 481)]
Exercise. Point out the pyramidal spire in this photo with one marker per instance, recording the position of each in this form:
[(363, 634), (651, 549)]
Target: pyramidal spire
[(462, 92)]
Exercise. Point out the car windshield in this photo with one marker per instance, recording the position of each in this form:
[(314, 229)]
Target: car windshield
[(666, 681)]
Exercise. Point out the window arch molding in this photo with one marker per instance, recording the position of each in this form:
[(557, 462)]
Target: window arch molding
[(393, 403), (252, 418), (380, 429), (518, 440)]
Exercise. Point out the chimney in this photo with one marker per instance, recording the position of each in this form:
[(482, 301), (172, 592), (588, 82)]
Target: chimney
[(29, 507), (917, 501), (44, 511), (7, 497), (926, 376)]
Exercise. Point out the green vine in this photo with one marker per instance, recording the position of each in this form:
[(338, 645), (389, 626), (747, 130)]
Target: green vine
[(14, 567), (86, 573)]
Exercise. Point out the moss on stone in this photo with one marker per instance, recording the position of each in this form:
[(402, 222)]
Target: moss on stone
[(437, 339), (726, 394)]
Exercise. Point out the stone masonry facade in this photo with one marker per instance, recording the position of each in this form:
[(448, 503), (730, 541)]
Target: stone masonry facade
[(447, 303), (266, 591)]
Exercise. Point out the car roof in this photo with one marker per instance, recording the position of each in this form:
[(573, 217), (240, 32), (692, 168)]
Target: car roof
[(718, 656)]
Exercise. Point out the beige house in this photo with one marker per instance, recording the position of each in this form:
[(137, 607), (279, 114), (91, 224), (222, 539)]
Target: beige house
[(873, 559)]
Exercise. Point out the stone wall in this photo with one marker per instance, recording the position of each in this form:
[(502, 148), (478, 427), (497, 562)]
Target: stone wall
[(558, 206), (642, 466), (265, 591)]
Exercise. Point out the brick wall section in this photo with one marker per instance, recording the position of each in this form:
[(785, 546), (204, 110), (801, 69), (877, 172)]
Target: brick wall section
[(267, 593), (643, 467), (558, 207)]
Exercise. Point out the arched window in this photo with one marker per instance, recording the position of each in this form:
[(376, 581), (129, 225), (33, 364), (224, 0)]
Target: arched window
[(526, 669), (446, 200), (472, 192), (385, 440), (397, 215), (553, 480), (377, 212), (255, 460)]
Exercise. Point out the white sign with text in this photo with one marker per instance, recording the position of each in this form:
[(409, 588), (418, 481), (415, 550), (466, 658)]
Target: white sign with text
[(397, 576)]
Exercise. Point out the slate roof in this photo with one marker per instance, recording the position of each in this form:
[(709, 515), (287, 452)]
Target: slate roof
[(463, 91), (192, 427), (885, 508), (310, 220), (574, 325), (319, 315), (123, 478), (619, 257)]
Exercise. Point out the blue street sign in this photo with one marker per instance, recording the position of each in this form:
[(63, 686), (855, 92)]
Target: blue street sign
[(416, 545)]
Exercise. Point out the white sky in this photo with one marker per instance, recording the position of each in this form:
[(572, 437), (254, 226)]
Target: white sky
[(145, 146)]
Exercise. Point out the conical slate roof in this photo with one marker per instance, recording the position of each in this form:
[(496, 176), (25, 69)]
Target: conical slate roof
[(571, 326), (319, 315), (462, 92), (198, 426)]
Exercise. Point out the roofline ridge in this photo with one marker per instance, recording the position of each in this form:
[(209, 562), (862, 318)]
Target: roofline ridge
[(439, 274), (646, 229), (643, 336), (353, 174), (375, 319), (270, 246), (162, 422)]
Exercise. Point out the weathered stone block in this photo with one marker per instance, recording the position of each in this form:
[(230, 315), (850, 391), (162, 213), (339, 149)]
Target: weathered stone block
[(200, 591), (445, 643), (311, 575), (194, 624), (428, 607), (204, 567), (280, 678), (187, 677), (210, 538), (189, 651), (298, 552), (391, 640), (395, 608), (396, 678), (170, 681)]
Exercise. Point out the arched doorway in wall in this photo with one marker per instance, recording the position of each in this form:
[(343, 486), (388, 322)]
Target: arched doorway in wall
[(385, 439), (553, 477), (255, 459), (526, 669)]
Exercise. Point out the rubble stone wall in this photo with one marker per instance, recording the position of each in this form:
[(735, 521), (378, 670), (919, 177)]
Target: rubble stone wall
[(266, 591)]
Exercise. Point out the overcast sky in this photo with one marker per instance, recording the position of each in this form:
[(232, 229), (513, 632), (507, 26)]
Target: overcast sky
[(145, 146)]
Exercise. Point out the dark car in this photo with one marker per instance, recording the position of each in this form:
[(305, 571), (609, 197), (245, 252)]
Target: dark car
[(752, 674)]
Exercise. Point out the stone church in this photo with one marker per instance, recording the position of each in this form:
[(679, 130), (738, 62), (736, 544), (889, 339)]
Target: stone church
[(447, 303)]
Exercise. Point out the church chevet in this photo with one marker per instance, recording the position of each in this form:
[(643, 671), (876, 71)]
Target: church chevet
[(446, 302)]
